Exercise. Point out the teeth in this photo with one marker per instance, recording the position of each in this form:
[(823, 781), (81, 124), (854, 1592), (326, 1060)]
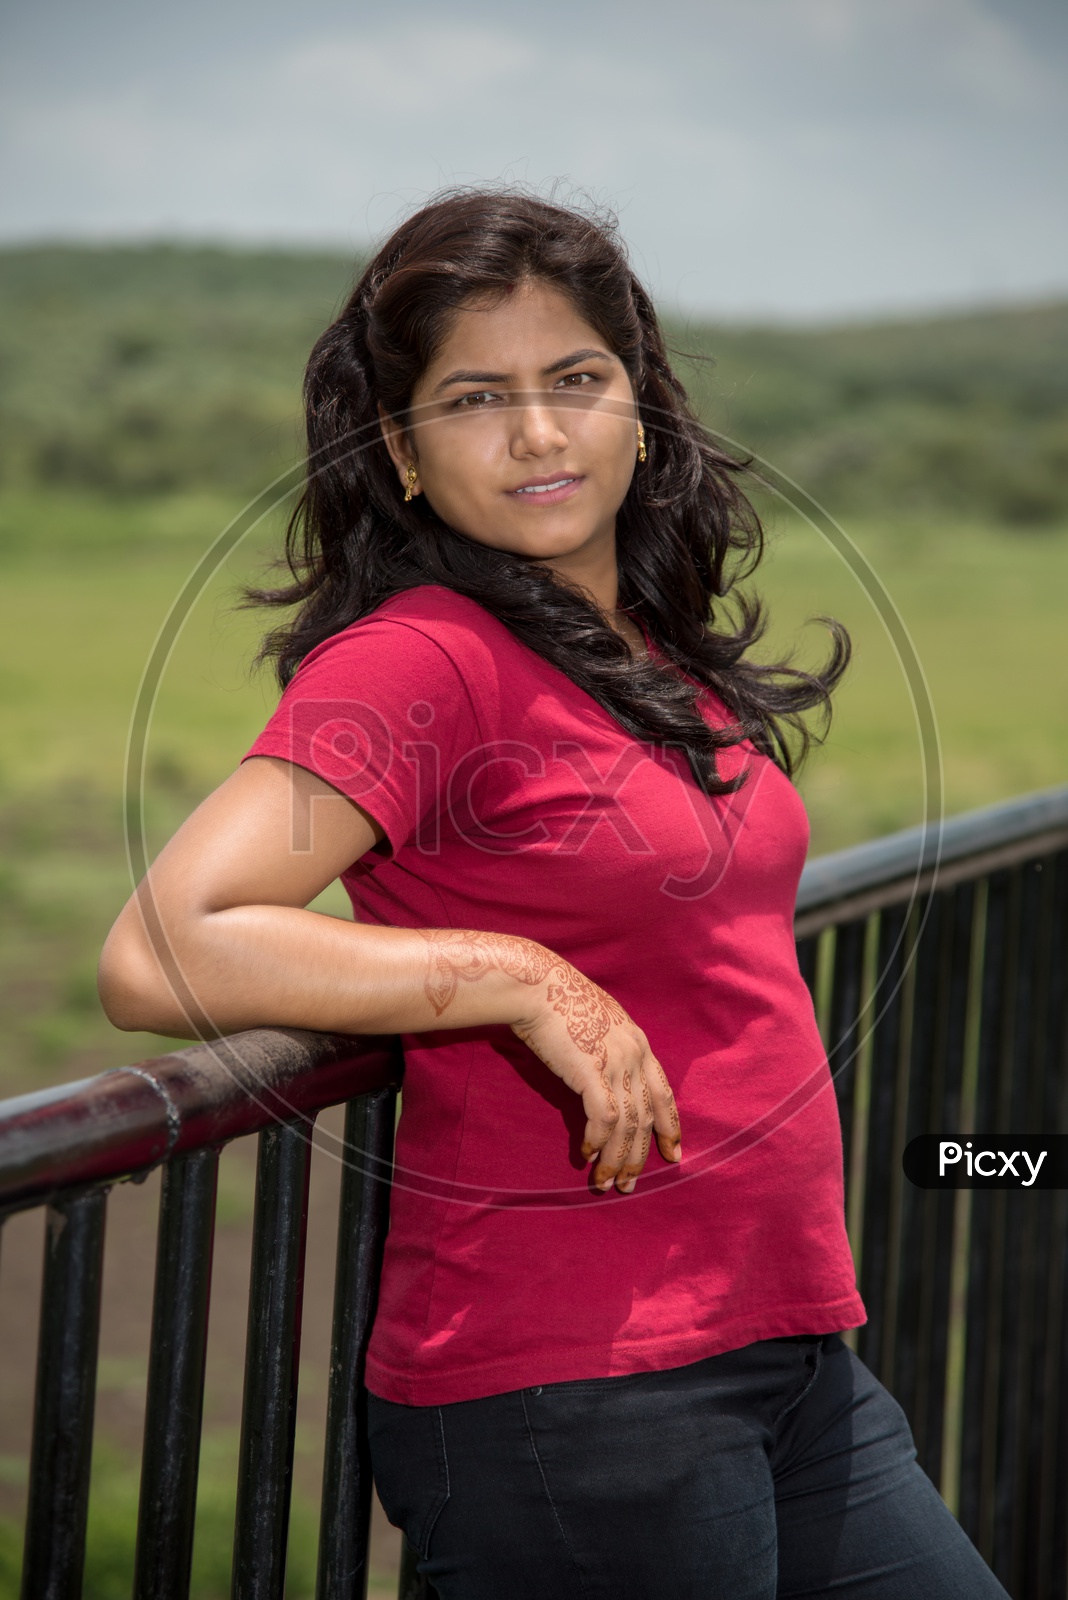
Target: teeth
[(543, 488)]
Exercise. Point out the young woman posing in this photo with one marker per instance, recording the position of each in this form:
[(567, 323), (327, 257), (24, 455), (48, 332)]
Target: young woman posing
[(521, 725)]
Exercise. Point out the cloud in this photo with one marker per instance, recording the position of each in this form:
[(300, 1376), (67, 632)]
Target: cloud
[(428, 73), (799, 156)]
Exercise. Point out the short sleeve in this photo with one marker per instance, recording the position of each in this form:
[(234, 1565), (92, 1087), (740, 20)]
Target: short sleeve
[(378, 711)]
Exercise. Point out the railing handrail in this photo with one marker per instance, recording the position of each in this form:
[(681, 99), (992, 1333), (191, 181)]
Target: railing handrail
[(897, 861), (128, 1120)]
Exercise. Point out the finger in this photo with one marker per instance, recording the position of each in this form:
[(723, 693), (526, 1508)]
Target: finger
[(614, 1156), (636, 1159), (639, 1150), (665, 1112), (602, 1115)]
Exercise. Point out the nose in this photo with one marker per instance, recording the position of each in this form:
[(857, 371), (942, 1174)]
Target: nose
[(537, 429)]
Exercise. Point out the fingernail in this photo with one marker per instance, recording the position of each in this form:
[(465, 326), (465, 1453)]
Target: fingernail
[(628, 1188), (678, 1152), (606, 1185)]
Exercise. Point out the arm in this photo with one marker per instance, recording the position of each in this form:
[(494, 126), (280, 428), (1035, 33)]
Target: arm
[(217, 938)]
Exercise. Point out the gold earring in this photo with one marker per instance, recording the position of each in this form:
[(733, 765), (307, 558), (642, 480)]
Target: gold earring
[(642, 456), (411, 473)]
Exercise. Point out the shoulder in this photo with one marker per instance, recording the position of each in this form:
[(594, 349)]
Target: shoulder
[(426, 655), (429, 636), (458, 626), (427, 622)]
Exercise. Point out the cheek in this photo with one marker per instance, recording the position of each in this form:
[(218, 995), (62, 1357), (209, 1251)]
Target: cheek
[(459, 468), (610, 442), (607, 430), (445, 451), (470, 442)]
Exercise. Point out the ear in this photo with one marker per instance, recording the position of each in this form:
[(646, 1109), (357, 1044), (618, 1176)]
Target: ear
[(396, 442)]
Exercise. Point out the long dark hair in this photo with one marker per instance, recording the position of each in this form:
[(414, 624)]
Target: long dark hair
[(686, 533)]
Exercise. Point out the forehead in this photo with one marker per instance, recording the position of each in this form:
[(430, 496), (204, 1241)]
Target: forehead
[(528, 328)]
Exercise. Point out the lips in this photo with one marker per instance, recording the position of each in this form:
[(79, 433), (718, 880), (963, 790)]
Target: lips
[(547, 490)]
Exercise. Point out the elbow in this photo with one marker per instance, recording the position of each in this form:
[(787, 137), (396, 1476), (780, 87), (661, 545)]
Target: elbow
[(132, 988), (124, 1008), (127, 1003)]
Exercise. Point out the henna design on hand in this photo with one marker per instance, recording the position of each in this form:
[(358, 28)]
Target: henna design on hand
[(586, 1016), (460, 953), (632, 1118), (674, 1109), (457, 953)]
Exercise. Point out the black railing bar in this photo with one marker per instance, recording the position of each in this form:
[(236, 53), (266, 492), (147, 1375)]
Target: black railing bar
[(122, 1123), (901, 855), (363, 1216), (900, 890), (909, 1378), (175, 1398), (411, 1585), (880, 1192), (61, 1450), (272, 1361)]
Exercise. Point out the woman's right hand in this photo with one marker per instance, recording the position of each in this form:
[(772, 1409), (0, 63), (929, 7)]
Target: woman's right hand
[(587, 1039)]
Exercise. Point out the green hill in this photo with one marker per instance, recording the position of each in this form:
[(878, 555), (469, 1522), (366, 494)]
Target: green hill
[(965, 413), (157, 368), (141, 369)]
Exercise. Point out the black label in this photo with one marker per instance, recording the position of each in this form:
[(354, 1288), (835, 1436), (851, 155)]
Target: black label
[(977, 1161)]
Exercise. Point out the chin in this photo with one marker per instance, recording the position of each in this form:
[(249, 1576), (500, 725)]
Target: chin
[(544, 543), (547, 550), (539, 549)]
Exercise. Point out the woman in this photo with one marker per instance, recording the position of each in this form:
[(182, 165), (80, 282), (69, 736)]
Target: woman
[(522, 726)]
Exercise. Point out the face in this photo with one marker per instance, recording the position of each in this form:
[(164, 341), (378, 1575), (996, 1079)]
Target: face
[(523, 430)]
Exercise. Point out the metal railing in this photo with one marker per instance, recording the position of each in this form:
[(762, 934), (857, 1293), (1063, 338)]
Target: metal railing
[(938, 965), (940, 971)]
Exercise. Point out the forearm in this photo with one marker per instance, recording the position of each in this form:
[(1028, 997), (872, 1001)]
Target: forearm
[(258, 966), (198, 973)]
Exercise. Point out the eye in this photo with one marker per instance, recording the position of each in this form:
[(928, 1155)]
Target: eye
[(576, 380), (474, 402)]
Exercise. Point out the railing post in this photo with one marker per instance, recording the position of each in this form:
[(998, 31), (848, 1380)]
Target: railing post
[(265, 1471), (362, 1220), (175, 1397), (61, 1452), (882, 1177), (1049, 1531), (411, 1584), (843, 1031)]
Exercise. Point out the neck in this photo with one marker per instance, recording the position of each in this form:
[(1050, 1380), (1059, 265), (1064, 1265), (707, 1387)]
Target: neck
[(597, 575), (594, 570)]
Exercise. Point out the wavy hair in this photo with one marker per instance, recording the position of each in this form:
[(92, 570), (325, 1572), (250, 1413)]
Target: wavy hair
[(686, 532)]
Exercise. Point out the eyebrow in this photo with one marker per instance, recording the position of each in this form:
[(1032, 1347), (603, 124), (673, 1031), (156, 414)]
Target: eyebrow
[(506, 377)]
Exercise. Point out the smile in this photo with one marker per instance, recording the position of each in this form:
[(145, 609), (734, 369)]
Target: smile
[(548, 493), (545, 488)]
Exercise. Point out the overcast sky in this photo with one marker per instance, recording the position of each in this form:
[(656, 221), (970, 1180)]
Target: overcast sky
[(786, 158)]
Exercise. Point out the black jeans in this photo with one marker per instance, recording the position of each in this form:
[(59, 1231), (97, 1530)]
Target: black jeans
[(782, 1469)]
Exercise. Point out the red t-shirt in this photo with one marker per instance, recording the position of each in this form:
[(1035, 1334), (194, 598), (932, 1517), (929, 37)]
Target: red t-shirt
[(513, 803)]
